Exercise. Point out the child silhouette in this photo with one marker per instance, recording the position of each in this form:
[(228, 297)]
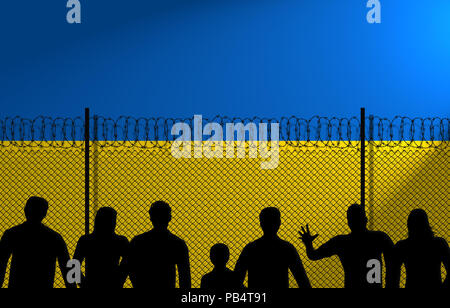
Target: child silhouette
[(221, 277)]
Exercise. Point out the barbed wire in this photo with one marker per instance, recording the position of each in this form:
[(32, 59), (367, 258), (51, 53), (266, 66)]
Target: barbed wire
[(42, 131), (297, 132), (408, 132)]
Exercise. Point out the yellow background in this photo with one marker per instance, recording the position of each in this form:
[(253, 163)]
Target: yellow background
[(219, 200)]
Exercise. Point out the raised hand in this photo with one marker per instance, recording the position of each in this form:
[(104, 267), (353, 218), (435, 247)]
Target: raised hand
[(306, 236)]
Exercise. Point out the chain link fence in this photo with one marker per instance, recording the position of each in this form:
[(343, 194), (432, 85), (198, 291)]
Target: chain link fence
[(219, 199)]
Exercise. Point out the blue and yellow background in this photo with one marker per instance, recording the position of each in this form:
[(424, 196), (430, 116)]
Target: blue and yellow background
[(177, 58), (240, 58)]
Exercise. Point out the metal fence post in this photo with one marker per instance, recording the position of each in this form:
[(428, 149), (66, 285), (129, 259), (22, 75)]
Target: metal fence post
[(86, 170), (370, 197), (363, 157), (95, 166)]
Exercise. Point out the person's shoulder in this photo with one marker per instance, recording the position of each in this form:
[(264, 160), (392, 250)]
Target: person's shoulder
[(250, 247), (175, 240), (207, 277), (174, 237), (52, 233), (122, 239), (340, 238), (84, 238), (402, 244), (51, 236), (253, 244), (13, 230), (141, 237), (377, 233), (380, 235), (441, 242), (287, 244)]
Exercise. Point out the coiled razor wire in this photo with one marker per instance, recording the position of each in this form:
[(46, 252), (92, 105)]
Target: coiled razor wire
[(297, 132)]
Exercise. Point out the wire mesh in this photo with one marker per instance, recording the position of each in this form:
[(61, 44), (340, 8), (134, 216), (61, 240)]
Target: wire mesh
[(219, 199)]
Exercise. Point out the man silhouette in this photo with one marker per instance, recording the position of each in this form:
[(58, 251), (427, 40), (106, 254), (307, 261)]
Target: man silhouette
[(422, 253), (221, 278), (269, 259), (155, 255), (34, 249), (102, 251), (355, 250)]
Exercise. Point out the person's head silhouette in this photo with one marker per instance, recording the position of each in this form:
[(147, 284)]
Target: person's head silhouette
[(357, 220), (105, 221), (270, 219), (160, 215), (36, 210), (220, 255), (419, 225)]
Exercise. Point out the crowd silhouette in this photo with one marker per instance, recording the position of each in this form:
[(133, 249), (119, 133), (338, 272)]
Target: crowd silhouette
[(152, 260)]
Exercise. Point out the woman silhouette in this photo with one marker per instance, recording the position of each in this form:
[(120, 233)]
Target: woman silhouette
[(102, 251), (422, 253)]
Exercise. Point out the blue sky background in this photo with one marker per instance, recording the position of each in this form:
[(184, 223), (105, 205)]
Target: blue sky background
[(268, 58)]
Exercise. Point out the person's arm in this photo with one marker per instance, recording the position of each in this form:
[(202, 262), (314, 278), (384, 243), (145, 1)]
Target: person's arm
[(80, 256), (5, 254), (389, 260), (298, 271), (396, 267), (184, 269), (325, 251), (446, 262), (63, 258), (203, 284), (241, 267), (123, 267), (128, 264)]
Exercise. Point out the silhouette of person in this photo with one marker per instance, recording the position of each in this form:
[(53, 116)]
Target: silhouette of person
[(155, 255), (35, 249), (422, 253), (269, 259), (221, 278), (102, 251), (355, 250)]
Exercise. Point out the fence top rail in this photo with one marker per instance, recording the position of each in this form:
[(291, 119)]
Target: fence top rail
[(157, 132)]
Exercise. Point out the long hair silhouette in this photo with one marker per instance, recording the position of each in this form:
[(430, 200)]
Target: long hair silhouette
[(102, 251), (419, 225), (105, 221), (422, 253)]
